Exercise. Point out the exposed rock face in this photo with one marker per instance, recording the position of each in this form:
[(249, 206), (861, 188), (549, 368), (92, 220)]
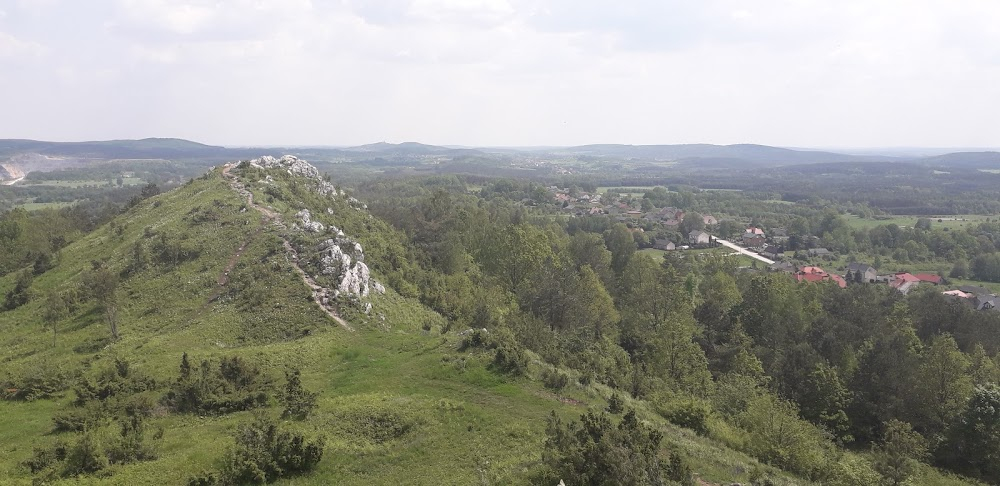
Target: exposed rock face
[(290, 163), (307, 224), (347, 267), (342, 258)]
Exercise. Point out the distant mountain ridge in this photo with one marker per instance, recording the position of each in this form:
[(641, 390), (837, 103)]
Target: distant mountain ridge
[(694, 156)]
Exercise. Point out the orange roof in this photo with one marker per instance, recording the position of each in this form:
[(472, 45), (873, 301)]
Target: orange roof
[(929, 277), (755, 230), (901, 279)]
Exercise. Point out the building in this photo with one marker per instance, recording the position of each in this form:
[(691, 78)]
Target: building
[(664, 244), (816, 274), (819, 252), (698, 237), (904, 282), (772, 252), (867, 273)]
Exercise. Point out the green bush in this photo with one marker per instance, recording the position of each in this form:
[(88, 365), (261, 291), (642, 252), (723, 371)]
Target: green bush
[(692, 414), (84, 457), (299, 403), (615, 404), (231, 385), (46, 380), (263, 453), (554, 380)]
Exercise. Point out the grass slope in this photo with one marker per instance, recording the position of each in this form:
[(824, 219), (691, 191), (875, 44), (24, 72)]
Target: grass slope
[(398, 404)]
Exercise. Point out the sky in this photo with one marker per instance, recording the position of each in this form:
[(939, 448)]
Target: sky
[(802, 73)]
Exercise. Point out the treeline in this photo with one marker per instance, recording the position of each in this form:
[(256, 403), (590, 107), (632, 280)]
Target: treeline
[(782, 371)]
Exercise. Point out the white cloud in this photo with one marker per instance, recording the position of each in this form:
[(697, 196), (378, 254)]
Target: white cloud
[(792, 72), (12, 47)]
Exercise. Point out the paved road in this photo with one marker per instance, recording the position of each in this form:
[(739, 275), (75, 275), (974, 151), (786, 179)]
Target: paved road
[(743, 251)]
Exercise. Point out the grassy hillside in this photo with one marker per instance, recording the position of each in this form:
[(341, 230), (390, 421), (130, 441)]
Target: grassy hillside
[(400, 400)]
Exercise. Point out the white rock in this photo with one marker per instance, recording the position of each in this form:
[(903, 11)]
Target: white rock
[(305, 218)]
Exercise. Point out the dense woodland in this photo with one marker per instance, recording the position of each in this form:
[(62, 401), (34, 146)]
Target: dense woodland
[(787, 372)]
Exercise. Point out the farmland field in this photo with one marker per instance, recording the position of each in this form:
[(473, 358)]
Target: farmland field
[(954, 221)]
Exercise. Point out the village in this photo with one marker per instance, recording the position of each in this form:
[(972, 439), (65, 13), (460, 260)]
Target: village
[(674, 230)]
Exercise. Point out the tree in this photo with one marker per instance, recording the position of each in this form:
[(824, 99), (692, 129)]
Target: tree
[(692, 221), (21, 293), (619, 241), (588, 249), (943, 384), (974, 442), (102, 284), (55, 309), (826, 399), (897, 456)]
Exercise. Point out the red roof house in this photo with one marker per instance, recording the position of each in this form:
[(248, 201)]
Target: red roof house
[(816, 274), (929, 278)]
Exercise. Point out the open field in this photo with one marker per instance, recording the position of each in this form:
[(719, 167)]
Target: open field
[(128, 181), (954, 221), (33, 206)]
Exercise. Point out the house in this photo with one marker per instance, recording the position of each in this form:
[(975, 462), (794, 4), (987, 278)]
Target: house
[(787, 267), (930, 278), (867, 273), (816, 274), (697, 237), (819, 252), (664, 244), (985, 302), (752, 240), (772, 252), (753, 230), (972, 289), (904, 282), (709, 220)]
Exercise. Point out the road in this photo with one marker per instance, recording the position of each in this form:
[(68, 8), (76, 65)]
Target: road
[(743, 251)]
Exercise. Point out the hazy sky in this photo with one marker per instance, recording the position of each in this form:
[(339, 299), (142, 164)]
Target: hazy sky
[(504, 72)]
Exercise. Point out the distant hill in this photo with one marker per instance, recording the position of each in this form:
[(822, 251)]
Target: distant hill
[(723, 155), (410, 148), (966, 160), (160, 148)]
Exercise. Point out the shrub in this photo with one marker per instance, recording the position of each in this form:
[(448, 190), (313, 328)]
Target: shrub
[(615, 404), (44, 381), (86, 456), (594, 451), (299, 403), (131, 444), (554, 380), (231, 385), (263, 453), (511, 359), (691, 414), (44, 457)]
